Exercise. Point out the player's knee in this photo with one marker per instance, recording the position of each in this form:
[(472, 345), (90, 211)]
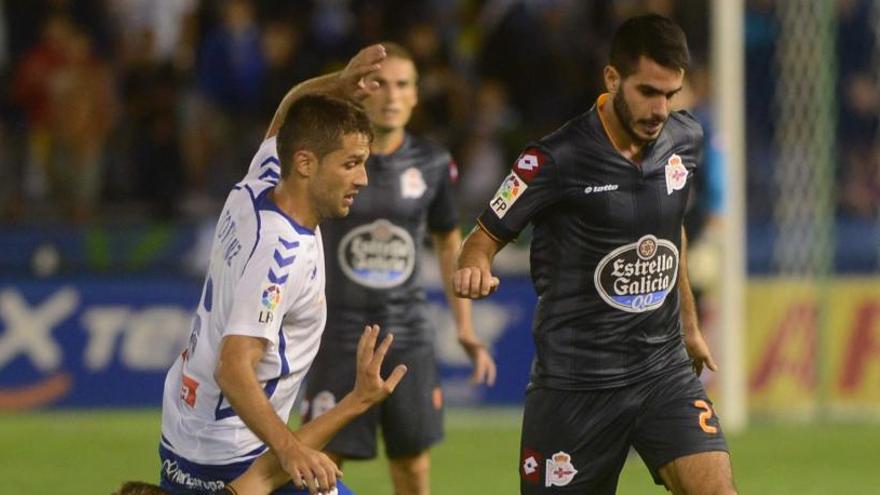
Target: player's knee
[(412, 466)]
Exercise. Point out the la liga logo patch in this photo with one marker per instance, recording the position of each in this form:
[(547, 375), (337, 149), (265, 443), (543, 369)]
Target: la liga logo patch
[(271, 297)]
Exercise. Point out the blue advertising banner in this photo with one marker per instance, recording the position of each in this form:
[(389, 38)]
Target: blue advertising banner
[(108, 342)]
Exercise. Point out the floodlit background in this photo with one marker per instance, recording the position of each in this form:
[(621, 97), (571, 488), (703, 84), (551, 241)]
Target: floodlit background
[(123, 123)]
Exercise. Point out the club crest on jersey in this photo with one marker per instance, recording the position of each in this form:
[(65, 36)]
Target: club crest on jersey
[(560, 471), (379, 255), (529, 164), (676, 174), (412, 183), (637, 277), (511, 189)]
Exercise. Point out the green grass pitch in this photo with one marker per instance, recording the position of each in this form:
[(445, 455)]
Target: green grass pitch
[(91, 452)]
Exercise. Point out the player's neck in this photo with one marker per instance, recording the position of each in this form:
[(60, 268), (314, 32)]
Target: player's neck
[(295, 204), (623, 142), (387, 142)]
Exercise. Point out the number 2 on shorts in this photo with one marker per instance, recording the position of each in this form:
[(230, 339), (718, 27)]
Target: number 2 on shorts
[(705, 416)]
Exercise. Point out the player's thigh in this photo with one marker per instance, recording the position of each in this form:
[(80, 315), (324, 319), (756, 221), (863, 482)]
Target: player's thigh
[(677, 421), (706, 473), (574, 442), (412, 417), (331, 377)]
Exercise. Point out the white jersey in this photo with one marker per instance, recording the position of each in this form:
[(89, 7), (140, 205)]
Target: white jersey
[(265, 279)]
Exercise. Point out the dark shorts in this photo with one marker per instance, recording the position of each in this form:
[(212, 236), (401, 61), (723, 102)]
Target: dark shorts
[(577, 441), (182, 477), (411, 418)]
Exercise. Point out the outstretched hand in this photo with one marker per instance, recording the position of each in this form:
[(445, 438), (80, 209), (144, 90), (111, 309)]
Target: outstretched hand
[(369, 387), (352, 82)]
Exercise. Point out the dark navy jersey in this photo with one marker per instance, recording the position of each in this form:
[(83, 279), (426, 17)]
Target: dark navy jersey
[(605, 249), (373, 254)]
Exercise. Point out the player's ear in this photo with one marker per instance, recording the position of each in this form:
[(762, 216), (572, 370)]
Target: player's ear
[(612, 79), (304, 163)]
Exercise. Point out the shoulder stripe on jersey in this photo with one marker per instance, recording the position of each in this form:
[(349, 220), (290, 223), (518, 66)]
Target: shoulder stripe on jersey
[(269, 160), (282, 261), (288, 244), (269, 174), (276, 279)]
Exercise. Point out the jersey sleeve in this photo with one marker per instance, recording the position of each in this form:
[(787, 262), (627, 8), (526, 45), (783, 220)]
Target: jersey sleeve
[(530, 187), (443, 211), (265, 165), (263, 291)]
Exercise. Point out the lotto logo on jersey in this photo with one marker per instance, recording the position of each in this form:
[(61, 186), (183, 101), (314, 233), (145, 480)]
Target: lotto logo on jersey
[(379, 255), (530, 466), (528, 164), (511, 189), (637, 277)]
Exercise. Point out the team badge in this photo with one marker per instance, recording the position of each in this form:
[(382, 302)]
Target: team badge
[(511, 189), (637, 277), (529, 164), (412, 183), (530, 466), (676, 174), (560, 471)]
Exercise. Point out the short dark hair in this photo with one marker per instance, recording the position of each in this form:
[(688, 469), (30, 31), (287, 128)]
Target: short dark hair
[(652, 36), (317, 123)]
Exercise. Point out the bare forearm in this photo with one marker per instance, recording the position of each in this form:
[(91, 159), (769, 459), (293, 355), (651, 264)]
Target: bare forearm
[(687, 304), (479, 250), (446, 245), (240, 387), (317, 432)]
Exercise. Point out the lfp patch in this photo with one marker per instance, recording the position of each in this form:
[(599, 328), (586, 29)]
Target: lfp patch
[(511, 189), (637, 277), (271, 297)]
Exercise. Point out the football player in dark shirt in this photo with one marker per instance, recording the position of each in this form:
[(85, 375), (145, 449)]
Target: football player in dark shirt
[(618, 347), (372, 262)]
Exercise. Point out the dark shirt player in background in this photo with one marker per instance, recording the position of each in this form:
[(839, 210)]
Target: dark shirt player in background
[(372, 261)]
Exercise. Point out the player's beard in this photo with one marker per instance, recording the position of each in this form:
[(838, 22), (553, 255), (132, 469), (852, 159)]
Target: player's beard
[(625, 116)]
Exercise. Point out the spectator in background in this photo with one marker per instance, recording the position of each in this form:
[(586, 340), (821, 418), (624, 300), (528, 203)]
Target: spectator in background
[(81, 112), (31, 91), (221, 124)]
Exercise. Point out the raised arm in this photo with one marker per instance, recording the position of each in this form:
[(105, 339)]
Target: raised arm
[(347, 83), (446, 244), (473, 279)]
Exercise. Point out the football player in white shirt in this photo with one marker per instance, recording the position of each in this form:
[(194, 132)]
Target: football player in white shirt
[(259, 322)]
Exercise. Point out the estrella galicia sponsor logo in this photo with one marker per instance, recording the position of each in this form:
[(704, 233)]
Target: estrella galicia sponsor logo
[(637, 277), (379, 255)]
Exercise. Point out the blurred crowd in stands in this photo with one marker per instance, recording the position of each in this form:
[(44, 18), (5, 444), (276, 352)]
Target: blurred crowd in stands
[(151, 109)]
